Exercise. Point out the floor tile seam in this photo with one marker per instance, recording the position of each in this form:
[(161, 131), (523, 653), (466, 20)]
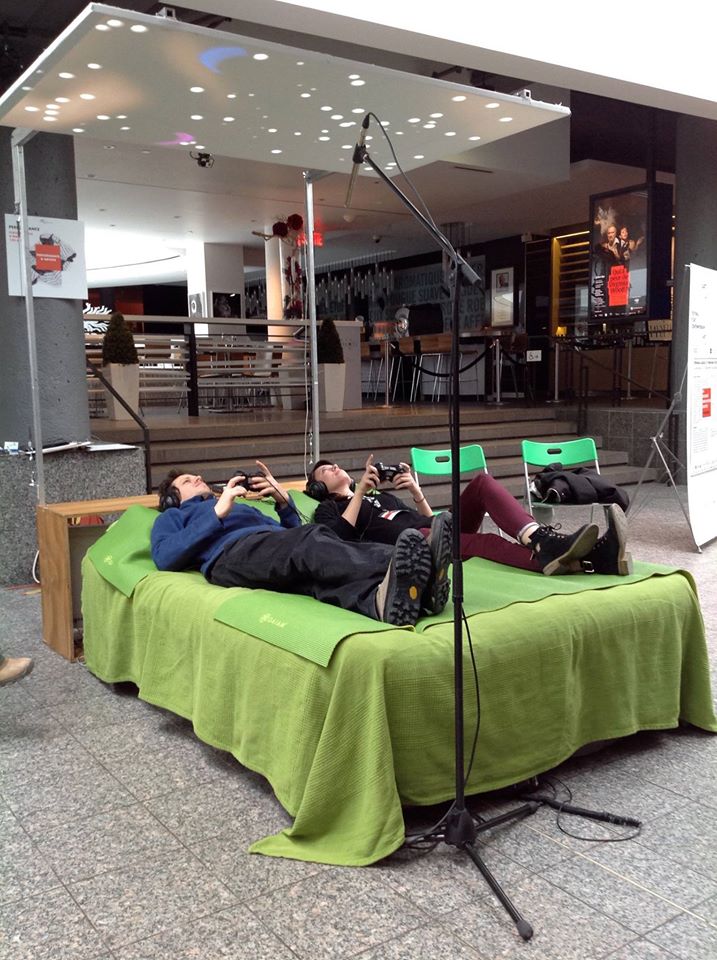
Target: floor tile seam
[(645, 780), (681, 908), (105, 945), (640, 937), (271, 932), (397, 939)]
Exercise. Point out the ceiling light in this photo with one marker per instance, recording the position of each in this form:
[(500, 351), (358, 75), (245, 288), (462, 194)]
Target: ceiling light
[(297, 133), (146, 151), (261, 56), (385, 123), (305, 95), (474, 138), (102, 116), (347, 146), (492, 106), (368, 137), (348, 123), (121, 116), (398, 133), (324, 138), (327, 109), (228, 119), (429, 126), (418, 156), (505, 119), (251, 95), (125, 128), (94, 66), (436, 116), (87, 96), (78, 129), (200, 146), (196, 116), (138, 28), (414, 119), (354, 76), (337, 116), (233, 96), (115, 23), (196, 89), (299, 63), (271, 130), (358, 110), (51, 108), (109, 146), (449, 133), (32, 109), (324, 131), (458, 99), (50, 118), (358, 83), (27, 88), (62, 99), (66, 76), (276, 151), (102, 26)]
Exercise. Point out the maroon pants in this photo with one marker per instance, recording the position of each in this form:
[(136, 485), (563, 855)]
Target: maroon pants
[(484, 495)]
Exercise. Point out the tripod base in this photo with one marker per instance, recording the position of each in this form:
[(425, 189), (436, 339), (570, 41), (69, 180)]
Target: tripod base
[(460, 830)]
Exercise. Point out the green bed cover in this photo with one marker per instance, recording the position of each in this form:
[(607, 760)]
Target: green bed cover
[(345, 745)]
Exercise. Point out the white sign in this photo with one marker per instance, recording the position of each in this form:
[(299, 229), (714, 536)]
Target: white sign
[(57, 258), (701, 403)]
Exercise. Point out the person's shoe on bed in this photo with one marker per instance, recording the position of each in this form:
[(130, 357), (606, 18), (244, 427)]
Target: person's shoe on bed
[(556, 553), (399, 595), (609, 555), (440, 539)]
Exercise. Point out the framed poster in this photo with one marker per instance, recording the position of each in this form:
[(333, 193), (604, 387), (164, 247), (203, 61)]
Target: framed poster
[(226, 305), (630, 236), (502, 297), (57, 258)]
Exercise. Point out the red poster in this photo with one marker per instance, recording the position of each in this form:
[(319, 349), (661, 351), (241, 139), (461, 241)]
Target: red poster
[(707, 401), (47, 257)]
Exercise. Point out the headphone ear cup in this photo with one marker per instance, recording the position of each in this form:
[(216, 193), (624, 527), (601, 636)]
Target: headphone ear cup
[(352, 486), (317, 489), (169, 500)]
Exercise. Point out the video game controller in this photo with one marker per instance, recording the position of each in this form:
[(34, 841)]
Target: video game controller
[(247, 476), (388, 471)]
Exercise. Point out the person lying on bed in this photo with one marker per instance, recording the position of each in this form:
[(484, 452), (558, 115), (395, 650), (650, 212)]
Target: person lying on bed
[(362, 512), (235, 545)]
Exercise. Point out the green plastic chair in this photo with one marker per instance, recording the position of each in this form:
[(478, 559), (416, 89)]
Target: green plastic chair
[(571, 453), (435, 463), (438, 463)]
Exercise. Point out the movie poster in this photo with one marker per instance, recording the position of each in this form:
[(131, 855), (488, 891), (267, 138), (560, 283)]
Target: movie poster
[(618, 254)]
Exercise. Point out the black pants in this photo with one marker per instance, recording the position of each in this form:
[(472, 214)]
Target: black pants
[(310, 560)]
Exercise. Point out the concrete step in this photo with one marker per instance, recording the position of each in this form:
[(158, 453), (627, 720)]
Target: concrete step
[(335, 445)]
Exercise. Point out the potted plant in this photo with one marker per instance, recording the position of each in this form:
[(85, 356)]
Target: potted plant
[(332, 367), (120, 366)]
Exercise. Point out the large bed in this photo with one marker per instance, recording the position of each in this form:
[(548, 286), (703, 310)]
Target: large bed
[(349, 720)]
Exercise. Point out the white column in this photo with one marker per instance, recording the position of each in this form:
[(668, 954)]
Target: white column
[(214, 268)]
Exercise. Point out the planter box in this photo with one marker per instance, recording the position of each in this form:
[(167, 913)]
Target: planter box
[(332, 386), (124, 377)]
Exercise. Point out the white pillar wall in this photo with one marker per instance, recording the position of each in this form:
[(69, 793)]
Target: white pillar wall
[(274, 256), (215, 268)]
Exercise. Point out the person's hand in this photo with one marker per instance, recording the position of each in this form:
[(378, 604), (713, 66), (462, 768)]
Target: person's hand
[(369, 479), (407, 482), (268, 486), (225, 502)]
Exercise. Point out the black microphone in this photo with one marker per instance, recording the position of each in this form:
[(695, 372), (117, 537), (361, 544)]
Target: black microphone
[(357, 158)]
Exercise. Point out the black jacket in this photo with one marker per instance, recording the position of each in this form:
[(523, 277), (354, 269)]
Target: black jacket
[(579, 485)]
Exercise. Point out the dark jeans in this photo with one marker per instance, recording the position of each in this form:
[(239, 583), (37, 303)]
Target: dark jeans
[(309, 560)]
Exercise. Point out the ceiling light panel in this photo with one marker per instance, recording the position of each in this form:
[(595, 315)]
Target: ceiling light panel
[(156, 71)]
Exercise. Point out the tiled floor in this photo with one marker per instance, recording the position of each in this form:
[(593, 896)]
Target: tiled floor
[(122, 836)]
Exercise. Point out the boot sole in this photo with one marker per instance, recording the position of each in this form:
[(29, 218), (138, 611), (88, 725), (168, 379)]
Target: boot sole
[(577, 550), (440, 542), (409, 574), (618, 521)]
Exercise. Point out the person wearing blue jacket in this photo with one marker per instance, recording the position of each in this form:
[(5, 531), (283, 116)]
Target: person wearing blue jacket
[(235, 545)]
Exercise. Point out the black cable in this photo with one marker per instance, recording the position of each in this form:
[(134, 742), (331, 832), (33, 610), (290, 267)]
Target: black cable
[(566, 806)]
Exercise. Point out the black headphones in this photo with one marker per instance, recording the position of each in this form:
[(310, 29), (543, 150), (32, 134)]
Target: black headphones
[(318, 490), (169, 499)]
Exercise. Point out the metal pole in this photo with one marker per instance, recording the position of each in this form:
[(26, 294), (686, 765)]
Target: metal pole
[(309, 177), (18, 140)]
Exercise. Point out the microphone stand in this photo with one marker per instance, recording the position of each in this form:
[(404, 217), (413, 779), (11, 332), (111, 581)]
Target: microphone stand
[(457, 828)]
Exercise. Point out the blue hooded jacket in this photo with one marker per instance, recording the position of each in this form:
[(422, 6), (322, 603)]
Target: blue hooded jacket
[(192, 535)]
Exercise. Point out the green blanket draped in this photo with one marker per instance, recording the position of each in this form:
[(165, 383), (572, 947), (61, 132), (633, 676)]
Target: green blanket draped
[(344, 746)]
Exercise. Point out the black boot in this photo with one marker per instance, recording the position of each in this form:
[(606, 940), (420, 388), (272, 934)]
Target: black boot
[(557, 552), (436, 594), (609, 554)]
